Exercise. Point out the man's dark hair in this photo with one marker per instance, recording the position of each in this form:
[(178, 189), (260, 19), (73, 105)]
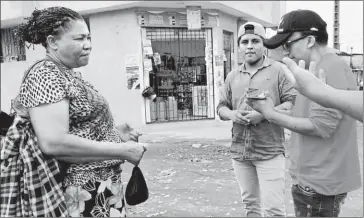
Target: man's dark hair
[(45, 22)]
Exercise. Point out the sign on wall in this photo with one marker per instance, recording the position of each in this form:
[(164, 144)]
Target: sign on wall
[(132, 71), (219, 60), (191, 19), (194, 18)]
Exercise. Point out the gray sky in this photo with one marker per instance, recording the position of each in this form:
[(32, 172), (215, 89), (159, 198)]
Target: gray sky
[(351, 20)]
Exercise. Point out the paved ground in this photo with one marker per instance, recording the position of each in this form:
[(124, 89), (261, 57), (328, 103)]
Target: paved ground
[(186, 180)]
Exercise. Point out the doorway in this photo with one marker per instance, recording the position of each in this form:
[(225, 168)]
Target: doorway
[(182, 75)]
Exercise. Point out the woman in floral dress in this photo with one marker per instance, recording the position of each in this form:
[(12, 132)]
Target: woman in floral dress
[(63, 137)]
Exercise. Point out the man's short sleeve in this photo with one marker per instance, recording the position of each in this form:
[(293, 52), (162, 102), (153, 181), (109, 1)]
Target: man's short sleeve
[(338, 75)]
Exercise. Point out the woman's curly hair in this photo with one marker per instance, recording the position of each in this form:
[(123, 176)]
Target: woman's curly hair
[(45, 22)]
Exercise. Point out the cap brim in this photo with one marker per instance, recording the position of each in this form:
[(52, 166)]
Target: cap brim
[(277, 40)]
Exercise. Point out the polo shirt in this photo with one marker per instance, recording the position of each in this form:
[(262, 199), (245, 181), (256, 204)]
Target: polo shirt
[(265, 140)]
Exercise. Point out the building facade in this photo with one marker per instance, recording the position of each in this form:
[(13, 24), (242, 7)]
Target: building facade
[(182, 49)]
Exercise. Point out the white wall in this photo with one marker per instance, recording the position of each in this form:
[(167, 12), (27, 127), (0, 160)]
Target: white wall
[(278, 10), (14, 9), (80, 5), (105, 71), (114, 35), (260, 9), (228, 23), (267, 11), (12, 74)]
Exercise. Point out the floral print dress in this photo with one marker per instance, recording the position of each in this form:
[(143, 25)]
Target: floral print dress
[(93, 189)]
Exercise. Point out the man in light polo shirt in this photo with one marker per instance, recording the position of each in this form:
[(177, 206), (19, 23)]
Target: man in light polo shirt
[(324, 153), (257, 146)]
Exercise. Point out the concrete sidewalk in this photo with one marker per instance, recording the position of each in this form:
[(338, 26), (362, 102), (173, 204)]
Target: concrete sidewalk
[(189, 130), (209, 130)]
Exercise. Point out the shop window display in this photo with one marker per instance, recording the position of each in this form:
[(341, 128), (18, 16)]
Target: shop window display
[(180, 79)]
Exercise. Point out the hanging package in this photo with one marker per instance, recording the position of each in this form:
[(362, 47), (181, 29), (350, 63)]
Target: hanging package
[(136, 190)]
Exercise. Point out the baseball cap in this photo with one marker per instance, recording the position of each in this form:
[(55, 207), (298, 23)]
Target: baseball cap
[(295, 21), (252, 28)]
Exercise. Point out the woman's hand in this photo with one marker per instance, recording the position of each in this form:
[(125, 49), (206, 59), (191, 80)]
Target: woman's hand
[(134, 135), (135, 152), (128, 133)]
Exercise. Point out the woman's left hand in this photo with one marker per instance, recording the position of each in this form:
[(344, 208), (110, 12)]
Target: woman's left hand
[(128, 133), (134, 135)]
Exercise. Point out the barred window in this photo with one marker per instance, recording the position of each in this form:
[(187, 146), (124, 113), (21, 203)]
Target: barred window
[(10, 49), (228, 41), (168, 34)]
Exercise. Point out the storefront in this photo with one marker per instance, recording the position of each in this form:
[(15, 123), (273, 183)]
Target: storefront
[(178, 65), (183, 52)]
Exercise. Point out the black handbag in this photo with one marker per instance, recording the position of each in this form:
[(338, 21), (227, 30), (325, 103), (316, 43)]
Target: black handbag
[(136, 191), (5, 122)]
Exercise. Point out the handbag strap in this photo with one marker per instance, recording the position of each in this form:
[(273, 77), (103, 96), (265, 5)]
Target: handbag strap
[(30, 69), (27, 73), (37, 62), (24, 77)]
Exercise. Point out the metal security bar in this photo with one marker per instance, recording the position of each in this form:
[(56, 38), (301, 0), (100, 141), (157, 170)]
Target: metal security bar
[(10, 50), (183, 80), (228, 49)]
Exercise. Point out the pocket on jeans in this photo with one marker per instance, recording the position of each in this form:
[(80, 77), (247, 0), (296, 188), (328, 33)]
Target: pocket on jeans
[(303, 202), (305, 192), (338, 202)]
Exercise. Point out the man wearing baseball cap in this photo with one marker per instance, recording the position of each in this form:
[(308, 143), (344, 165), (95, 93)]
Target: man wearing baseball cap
[(257, 146), (324, 162)]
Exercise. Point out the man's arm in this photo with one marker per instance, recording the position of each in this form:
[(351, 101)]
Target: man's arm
[(295, 124), (281, 114), (285, 108), (225, 106), (350, 102), (282, 108), (282, 117), (225, 113), (306, 82), (287, 95), (347, 101), (322, 121)]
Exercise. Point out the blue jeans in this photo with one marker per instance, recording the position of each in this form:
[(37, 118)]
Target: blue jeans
[(261, 184), (308, 203)]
